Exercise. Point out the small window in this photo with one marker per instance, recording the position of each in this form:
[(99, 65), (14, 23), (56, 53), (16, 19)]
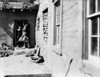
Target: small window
[(57, 25)]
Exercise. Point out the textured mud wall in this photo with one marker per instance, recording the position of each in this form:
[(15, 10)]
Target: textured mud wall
[(7, 18), (71, 38)]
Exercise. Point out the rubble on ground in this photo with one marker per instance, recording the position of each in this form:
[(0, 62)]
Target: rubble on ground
[(33, 53), (6, 50)]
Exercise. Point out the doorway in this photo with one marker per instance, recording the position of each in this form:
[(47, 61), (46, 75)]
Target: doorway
[(19, 27)]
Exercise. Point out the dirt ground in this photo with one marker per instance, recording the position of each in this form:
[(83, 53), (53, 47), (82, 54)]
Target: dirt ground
[(20, 64)]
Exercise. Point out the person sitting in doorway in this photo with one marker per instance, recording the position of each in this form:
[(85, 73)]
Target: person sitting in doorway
[(24, 40)]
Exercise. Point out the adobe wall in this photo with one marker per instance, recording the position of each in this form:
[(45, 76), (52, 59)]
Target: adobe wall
[(72, 29), (7, 18), (72, 35), (71, 39)]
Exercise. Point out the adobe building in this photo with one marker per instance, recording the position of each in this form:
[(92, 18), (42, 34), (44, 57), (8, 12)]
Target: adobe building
[(15, 13), (68, 32)]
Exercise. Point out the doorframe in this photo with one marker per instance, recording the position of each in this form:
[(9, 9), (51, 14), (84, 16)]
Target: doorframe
[(15, 28)]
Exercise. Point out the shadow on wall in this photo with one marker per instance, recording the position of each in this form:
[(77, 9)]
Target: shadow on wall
[(8, 29), (6, 24), (6, 33)]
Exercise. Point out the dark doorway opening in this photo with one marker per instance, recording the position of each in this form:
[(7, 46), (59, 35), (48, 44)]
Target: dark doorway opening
[(21, 27)]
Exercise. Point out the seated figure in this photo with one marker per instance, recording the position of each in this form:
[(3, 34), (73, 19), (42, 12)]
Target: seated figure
[(24, 40)]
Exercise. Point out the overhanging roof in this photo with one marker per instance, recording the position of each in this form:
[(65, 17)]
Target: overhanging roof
[(19, 5)]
